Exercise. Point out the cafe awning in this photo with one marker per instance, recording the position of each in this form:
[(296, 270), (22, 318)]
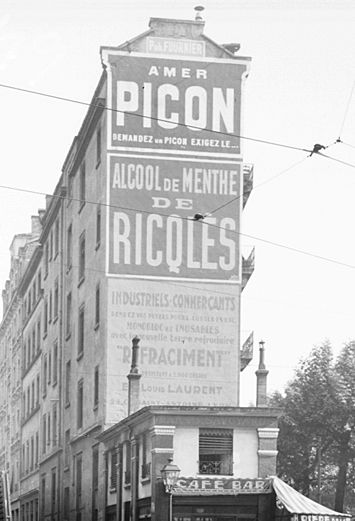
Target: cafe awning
[(301, 507)]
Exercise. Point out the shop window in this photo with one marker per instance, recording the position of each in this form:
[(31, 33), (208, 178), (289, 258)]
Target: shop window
[(216, 451)]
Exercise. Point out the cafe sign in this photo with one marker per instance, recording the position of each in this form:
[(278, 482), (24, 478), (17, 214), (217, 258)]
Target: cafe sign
[(221, 486)]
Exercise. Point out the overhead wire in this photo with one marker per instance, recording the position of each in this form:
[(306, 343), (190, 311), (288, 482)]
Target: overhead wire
[(134, 114), (346, 110), (203, 221), (258, 185)]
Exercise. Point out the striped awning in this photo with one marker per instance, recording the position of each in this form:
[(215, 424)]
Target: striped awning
[(301, 506)]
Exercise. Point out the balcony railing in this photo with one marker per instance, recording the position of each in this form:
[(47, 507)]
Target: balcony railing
[(216, 467)]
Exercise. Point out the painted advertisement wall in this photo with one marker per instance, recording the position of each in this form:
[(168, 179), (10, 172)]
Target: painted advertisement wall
[(153, 231), (184, 106), (174, 189), (188, 347)]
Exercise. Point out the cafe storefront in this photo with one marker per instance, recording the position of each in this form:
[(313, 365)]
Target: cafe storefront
[(196, 499)]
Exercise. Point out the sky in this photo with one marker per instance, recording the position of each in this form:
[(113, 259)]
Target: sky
[(300, 91)]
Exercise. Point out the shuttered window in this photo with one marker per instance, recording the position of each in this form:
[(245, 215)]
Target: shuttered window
[(216, 451), (216, 441)]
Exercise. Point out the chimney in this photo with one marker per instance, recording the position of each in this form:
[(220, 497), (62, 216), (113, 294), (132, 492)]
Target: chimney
[(134, 379), (36, 226), (261, 378)]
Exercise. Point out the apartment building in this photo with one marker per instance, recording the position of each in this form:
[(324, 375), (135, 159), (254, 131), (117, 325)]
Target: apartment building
[(124, 248)]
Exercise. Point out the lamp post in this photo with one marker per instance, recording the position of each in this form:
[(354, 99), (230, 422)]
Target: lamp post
[(170, 474)]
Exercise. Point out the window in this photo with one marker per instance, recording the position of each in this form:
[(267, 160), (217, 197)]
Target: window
[(67, 448), (69, 246), (81, 331), (29, 354), (98, 225), (37, 449), (216, 451), (95, 482), (46, 258), (96, 386), (78, 481), (98, 146), (97, 306), (33, 395), (37, 391), (34, 349), (69, 317), (44, 434), (38, 335), (80, 404), (113, 481), (28, 399), (82, 187), (49, 373), (39, 284), (43, 495), (95, 467), (45, 367), (53, 491), (50, 307), (56, 299), (70, 188), (82, 256), (127, 474), (66, 503), (55, 362), (49, 432), (56, 238), (145, 464), (32, 453), (54, 424), (50, 240), (67, 383), (45, 317)]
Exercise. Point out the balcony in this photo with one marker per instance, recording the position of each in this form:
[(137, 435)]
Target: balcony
[(248, 266), (248, 174)]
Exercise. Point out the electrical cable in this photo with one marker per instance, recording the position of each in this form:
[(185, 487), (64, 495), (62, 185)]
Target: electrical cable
[(346, 110), (202, 220), (335, 159), (347, 144), (70, 100), (258, 185)]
